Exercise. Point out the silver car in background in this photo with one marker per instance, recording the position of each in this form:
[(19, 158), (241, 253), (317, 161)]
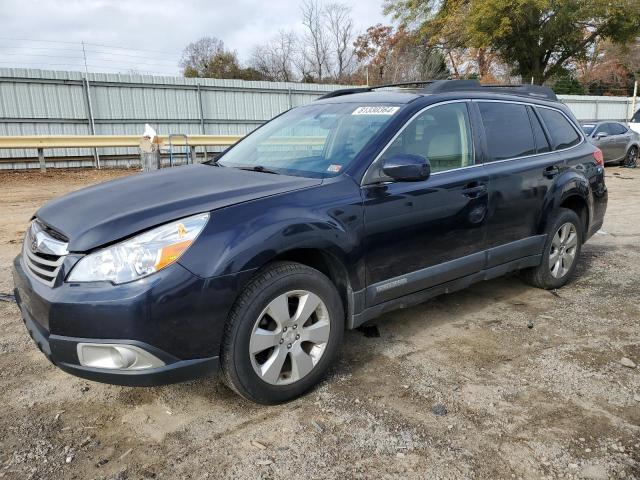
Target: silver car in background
[(617, 142)]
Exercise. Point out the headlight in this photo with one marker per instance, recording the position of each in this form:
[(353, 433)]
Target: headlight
[(141, 255)]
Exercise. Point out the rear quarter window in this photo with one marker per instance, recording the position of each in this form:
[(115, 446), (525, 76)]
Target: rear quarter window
[(562, 133)]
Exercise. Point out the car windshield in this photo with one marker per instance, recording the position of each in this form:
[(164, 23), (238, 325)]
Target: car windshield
[(588, 128), (636, 117), (312, 141)]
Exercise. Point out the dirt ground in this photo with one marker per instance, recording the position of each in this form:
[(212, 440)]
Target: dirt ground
[(531, 382)]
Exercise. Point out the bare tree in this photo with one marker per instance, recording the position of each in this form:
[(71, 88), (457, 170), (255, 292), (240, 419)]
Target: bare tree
[(340, 26), (208, 57), (274, 60), (316, 40), (196, 57)]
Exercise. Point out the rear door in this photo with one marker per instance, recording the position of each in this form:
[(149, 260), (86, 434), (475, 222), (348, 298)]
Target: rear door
[(620, 137), (421, 234), (521, 167)]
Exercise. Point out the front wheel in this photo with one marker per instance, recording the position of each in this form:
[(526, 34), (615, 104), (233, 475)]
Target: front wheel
[(282, 334), (561, 251), (631, 159)]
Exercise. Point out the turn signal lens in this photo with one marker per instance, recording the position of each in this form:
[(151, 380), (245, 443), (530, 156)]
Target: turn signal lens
[(171, 253)]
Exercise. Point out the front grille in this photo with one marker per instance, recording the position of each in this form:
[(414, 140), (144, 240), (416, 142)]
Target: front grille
[(43, 253), (44, 266)]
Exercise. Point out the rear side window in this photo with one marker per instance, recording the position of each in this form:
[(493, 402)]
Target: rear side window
[(508, 130), (542, 143), (563, 135), (617, 129)]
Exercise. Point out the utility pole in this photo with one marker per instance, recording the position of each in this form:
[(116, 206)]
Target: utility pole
[(633, 101), (90, 108)]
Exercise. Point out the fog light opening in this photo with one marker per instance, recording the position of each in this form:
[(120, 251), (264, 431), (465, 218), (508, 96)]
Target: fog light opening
[(116, 357), (122, 357)]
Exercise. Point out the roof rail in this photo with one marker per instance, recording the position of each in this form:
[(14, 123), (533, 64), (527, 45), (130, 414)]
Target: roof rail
[(344, 91), (538, 91), (404, 84), (444, 86)]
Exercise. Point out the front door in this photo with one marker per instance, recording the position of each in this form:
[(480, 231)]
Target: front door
[(620, 137), (421, 234)]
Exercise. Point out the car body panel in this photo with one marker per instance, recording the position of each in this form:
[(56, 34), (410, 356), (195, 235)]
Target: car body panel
[(117, 209)]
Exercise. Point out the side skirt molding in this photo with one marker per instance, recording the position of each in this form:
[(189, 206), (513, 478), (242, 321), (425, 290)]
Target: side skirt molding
[(421, 285), (421, 296)]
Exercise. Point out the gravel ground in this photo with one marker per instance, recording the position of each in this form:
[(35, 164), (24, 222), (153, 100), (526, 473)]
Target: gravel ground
[(499, 381)]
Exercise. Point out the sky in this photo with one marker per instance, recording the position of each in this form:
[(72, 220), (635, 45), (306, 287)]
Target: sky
[(150, 35)]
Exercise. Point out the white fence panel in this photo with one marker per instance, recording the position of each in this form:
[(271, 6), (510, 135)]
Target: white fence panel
[(589, 108)]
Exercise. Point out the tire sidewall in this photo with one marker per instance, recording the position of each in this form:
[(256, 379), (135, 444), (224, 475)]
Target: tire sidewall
[(627, 159), (241, 367), (564, 216)]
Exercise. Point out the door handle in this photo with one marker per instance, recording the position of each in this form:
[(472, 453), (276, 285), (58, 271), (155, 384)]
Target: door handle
[(551, 172), (474, 190)]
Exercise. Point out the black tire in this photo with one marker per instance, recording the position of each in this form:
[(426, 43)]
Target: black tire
[(541, 276), (268, 284), (631, 158)]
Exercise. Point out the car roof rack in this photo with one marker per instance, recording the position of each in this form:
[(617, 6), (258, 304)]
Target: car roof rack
[(444, 86), (344, 91)]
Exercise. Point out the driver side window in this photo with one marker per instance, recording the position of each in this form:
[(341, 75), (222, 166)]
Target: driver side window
[(442, 134)]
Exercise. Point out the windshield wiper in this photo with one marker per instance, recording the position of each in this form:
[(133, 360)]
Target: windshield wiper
[(259, 168)]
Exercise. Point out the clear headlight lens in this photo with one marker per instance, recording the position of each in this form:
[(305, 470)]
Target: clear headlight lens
[(141, 255)]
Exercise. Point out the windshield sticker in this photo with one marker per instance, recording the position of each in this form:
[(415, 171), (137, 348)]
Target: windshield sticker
[(334, 168), (377, 110)]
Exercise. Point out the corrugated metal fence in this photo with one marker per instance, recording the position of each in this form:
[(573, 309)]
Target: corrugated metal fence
[(38, 102)]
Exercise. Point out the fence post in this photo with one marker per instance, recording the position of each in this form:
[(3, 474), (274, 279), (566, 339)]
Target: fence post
[(92, 123), (597, 109), (202, 127), (43, 164), (201, 109), (192, 154)]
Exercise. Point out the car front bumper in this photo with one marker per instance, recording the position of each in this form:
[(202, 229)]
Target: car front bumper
[(173, 315)]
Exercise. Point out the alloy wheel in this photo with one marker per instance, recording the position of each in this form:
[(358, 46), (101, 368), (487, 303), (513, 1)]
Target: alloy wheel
[(563, 250), (632, 157), (289, 337)]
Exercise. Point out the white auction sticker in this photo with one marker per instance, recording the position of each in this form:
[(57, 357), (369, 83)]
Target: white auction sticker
[(375, 110)]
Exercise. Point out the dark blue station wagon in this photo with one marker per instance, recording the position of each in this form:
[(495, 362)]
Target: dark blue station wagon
[(329, 215)]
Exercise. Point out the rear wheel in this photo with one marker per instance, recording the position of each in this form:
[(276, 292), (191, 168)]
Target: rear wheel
[(561, 251), (631, 159), (283, 333)]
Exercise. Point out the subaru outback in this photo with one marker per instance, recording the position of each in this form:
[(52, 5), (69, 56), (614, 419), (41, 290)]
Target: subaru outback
[(331, 214)]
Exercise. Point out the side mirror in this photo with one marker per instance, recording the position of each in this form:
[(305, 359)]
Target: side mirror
[(602, 135), (406, 167)]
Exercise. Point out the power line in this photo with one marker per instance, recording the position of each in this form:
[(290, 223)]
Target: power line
[(49, 49), (167, 64), (124, 55), (88, 43), (80, 67), (39, 55)]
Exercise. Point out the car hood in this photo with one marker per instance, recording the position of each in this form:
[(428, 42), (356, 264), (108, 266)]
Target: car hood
[(107, 212)]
